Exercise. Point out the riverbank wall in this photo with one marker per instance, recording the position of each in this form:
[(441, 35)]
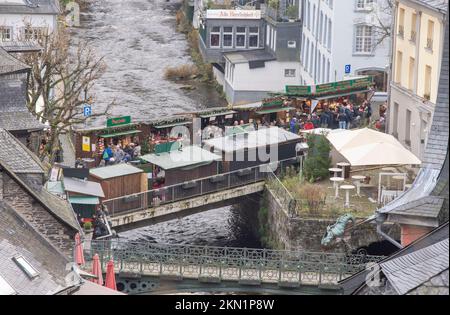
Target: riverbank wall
[(279, 230)]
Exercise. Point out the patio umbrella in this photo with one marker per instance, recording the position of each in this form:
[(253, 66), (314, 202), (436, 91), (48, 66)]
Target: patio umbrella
[(97, 270), (110, 281), (381, 153), (79, 256)]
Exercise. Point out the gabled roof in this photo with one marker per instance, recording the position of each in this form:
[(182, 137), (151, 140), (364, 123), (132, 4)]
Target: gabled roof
[(19, 120), (30, 7), (17, 237), (407, 272), (356, 282), (9, 64), (16, 156)]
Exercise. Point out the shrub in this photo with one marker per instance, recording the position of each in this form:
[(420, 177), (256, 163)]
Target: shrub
[(318, 160), (313, 195), (292, 12), (182, 72), (274, 4)]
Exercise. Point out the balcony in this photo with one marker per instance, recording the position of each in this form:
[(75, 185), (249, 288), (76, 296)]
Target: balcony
[(429, 44), (401, 31), (427, 96), (413, 36)]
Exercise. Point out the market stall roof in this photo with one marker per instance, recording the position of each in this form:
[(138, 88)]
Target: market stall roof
[(55, 187), (121, 133), (178, 123), (112, 171), (252, 139), (185, 157), (84, 200), (274, 110), (340, 94), (222, 113), (84, 187)]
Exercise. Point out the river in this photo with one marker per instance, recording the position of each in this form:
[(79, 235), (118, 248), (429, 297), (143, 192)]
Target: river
[(138, 41)]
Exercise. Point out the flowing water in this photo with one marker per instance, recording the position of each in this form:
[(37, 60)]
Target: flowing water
[(138, 41)]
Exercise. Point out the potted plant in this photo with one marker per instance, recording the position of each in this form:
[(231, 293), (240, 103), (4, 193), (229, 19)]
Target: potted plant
[(87, 226), (292, 12)]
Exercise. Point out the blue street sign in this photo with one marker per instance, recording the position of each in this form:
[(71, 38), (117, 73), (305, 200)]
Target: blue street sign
[(348, 69), (87, 111)]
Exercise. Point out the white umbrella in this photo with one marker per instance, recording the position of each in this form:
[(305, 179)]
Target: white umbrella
[(354, 138), (380, 153)]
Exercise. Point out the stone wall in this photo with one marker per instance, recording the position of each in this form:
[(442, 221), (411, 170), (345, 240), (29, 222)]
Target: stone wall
[(297, 233)]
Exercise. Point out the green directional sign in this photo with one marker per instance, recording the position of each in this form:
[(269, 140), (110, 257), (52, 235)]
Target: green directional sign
[(272, 102), (118, 121)]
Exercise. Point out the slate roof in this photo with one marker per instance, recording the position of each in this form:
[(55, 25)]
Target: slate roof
[(19, 120), (438, 5), (83, 187), (429, 206), (17, 237), (410, 271), (14, 46), (356, 283), (16, 156), (9, 64), (31, 7)]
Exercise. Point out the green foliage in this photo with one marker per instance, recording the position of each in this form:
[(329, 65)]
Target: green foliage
[(274, 4), (292, 12), (87, 225), (318, 160)]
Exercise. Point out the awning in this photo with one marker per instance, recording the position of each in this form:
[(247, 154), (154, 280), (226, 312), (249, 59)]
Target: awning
[(173, 124), (117, 134), (339, 95), (84, 200), (230, 112), (274, 110)]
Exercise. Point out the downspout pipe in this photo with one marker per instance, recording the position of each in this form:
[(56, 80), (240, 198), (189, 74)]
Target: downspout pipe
[(380, 219)]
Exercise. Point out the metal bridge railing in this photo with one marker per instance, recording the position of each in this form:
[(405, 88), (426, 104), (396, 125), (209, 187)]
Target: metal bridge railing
[(228, 263), (194, 188)]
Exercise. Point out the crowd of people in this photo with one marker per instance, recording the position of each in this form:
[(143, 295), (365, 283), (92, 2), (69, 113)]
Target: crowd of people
[(115, 154)]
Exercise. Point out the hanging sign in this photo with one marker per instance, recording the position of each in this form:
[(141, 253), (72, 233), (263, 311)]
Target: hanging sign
[(86, 146), (118, 121)]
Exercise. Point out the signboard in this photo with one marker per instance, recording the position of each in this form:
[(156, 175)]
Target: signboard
[(327, 87), (86, 146), (348, 69), (298, 89), (118, 121), (87, 110), (272, 102), (234, 14)]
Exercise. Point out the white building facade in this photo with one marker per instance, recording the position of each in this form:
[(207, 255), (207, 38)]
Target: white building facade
[(345, 38), (23, 20)]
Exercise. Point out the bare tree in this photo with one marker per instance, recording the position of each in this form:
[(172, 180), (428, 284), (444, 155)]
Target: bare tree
[(59, 83)]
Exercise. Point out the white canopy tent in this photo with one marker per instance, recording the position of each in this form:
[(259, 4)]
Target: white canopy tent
[(363, 147)]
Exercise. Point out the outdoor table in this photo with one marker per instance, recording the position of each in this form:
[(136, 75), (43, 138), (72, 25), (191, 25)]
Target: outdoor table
[(335, 170), (343, 165), (335, 181), (347, 189), (358, 179)]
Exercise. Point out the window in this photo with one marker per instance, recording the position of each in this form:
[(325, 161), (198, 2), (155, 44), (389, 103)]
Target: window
[(267, 35), (401, 22), (215, 36), (364, 4), (412, 66), (274, 42), (290, 73), (253, 38), (34, 33), (240, 37), (318, 66), (430, 35), (6, 288), (328, 71), (329, 34), (309, 16), (313, 25), (413, 27), (320, 27), (427, 89), (395, 121), (5, 33), (398, 63), (364, 39), (408, 127), (311, 61), (26, 266), (228, 36), (307, 56)]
